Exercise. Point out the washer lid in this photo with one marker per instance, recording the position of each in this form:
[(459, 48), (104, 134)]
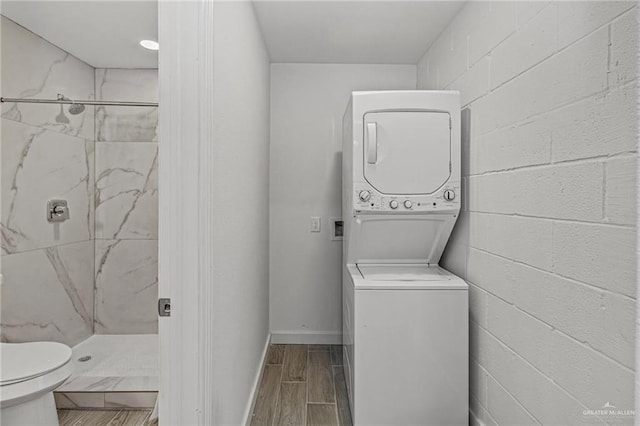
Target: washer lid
[(396, 272), (399, 238), (24, 361)]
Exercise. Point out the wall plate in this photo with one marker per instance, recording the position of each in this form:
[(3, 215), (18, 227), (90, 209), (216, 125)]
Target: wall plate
[(336, 228)]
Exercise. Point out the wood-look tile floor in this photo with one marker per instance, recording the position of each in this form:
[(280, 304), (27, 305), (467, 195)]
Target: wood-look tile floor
[(104, 417), (302, 385)]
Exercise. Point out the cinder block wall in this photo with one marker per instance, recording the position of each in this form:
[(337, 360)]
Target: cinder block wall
[(546, 238)]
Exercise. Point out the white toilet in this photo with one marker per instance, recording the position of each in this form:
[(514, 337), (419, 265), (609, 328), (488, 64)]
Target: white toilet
[(29, 372)]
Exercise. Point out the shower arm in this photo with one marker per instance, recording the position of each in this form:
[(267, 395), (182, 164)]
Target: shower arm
[(70, 102)]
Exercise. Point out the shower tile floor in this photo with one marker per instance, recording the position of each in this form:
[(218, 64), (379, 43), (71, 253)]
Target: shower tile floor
[(118, 363), (121, 373), (302, 384)]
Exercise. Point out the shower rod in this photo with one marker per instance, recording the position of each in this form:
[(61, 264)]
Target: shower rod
[(70, 102)]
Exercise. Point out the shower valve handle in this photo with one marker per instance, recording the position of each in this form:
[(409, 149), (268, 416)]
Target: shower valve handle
[(57, 211)]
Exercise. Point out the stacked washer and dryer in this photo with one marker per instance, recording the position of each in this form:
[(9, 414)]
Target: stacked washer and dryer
[(405, 319)]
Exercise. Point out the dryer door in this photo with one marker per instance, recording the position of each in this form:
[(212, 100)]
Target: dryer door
[(407, 152)]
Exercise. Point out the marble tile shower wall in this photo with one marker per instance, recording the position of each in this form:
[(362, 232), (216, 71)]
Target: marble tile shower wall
[(62, 282), (126, 202), (47, 153)]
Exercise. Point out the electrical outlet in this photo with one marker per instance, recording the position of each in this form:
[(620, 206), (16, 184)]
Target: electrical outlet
[(315, 224)]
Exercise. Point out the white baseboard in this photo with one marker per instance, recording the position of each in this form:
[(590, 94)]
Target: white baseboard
[(256, 384), (308, 338)]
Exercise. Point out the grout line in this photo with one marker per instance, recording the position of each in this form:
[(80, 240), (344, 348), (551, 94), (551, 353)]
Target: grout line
[(136, 141), (4, 253), (569, 103), (553, 259), (93, 208), (573, 280), (308, 373), (607, 71), (604, 191), (76, 242), (563, 48), (333, 382), (335, 391), (125, 239), (306, 405), (536, 369), (486, 408), (555, 219), (553, 164), (43, 126), (553, 327), (275, 408)]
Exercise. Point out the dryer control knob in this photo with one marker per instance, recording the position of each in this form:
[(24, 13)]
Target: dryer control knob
[(365, 195), (393, 204), (449, 195), (408, 204)]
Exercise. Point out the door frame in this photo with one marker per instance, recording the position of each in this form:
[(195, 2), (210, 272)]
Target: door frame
[(185, 240)]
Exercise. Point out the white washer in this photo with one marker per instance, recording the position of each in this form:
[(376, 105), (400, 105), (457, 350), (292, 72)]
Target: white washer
[(405, 319)]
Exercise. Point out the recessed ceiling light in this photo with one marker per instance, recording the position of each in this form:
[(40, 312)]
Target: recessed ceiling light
[(149, 44)]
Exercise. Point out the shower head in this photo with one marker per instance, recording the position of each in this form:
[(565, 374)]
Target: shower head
[(74, 109)]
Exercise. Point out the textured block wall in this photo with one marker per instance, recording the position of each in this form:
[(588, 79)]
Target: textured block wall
[(547, 236)]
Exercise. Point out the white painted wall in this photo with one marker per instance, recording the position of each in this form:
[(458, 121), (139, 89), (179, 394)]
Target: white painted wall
[(547, 237), (241, 216), (307, 104)]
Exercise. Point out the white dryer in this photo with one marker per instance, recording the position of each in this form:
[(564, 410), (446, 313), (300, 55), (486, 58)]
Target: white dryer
[(405, 319)]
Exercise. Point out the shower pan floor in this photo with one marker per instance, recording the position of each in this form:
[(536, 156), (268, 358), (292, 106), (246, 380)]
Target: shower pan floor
[(122, 371)]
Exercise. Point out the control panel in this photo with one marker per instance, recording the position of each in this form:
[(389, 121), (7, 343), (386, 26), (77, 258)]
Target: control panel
[(368, 199)]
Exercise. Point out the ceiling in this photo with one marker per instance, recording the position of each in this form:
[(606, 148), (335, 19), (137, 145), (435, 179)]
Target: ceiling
[(367, 32), (106, 34)]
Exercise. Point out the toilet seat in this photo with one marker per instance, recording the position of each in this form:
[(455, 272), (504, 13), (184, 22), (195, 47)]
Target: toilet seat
[(24, 361), (31, 369)]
